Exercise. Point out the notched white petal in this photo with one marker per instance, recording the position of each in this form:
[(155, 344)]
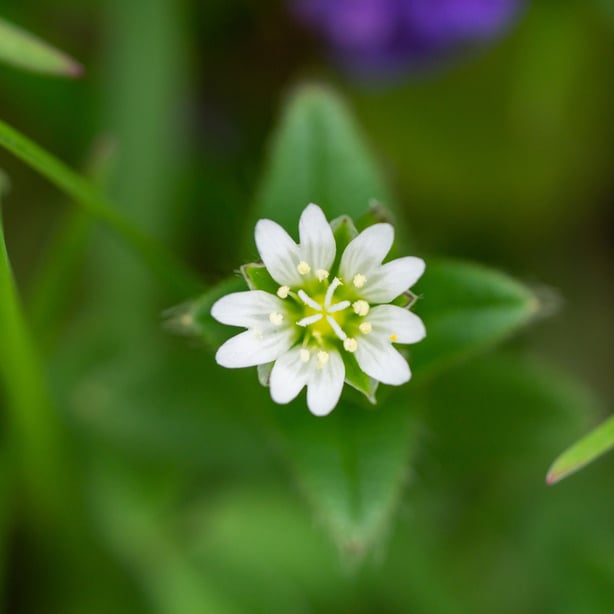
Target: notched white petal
[(325, 385), (390, 320), (289, 375), (248, 309), (392, 279), (366, 251), (379, 360), (279, 252), (317, 243), (254, 347)]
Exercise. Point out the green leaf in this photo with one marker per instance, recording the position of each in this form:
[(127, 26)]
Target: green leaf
[(590, 447), (351, 466), (466, 308), (24, 50), (319, 156)]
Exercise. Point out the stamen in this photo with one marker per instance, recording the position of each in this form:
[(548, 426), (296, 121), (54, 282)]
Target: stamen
[(309, 301), (305, 355), (359, 280), (309, 320), (322, 274), (276, 318), (393, 338), (365, 328), (335, 326), (361, 308), (283, 291), (303, 268), (350, 344), (322, 358), (338, 307), (331, 290), (258, 333)]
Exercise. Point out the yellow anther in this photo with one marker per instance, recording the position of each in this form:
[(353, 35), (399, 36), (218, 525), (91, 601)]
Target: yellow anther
[(322, 274), (276, 318), (303, 268), (359, 280), (393, 338), (365, 328), (361, 308), (322, 358), (350, 344), (305, 355), (283, 291)]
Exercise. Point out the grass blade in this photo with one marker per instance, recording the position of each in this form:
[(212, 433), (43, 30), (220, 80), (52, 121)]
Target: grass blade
[(24, 50), (177, 276), (585, 451)]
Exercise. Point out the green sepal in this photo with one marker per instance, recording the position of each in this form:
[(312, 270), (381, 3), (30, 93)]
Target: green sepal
[(405, 300), (344, 231), (258, 278), (358, 379), (264, 374)]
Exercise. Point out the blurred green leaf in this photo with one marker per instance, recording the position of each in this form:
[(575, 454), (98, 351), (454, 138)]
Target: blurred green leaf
[(319, 156), (596, 443), (351, 466), (499, 417), (466, 308), (24, 50)]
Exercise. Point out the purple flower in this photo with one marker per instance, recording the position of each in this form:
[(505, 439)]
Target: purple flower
[(375, 37)]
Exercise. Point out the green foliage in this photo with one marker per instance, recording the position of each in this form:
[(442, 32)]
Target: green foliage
[(173, 272), (26, 51), (466, 308), (590, 447), (318, 156), (192, 474)]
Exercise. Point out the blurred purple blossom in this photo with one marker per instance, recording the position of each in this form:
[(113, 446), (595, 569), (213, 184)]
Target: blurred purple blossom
[(385, 37)]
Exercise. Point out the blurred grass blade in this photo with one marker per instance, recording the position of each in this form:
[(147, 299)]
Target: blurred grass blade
[(176, 275), (466, 308), (51, 288), (319, 156), (31, 417), (24, 50), (596, 443)]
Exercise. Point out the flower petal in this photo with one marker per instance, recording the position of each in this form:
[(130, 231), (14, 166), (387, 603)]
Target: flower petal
[(250, 309), (366, 251), (379, 360), (317, 247), (289, 376), (252, 347), (390, 320), (325, 385), (279, 252), (391, 279)]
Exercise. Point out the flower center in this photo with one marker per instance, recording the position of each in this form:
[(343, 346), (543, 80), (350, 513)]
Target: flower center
[(324, 310)]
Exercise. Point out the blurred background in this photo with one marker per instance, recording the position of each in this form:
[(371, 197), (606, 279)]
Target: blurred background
[(493, 124)]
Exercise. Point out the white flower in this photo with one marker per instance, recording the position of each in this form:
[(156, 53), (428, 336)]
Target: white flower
[(320, 318)]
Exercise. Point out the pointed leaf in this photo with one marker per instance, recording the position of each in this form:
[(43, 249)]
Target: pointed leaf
[(466, 308), (590, 447), (318, 155), (351, 466), (24, 50)]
